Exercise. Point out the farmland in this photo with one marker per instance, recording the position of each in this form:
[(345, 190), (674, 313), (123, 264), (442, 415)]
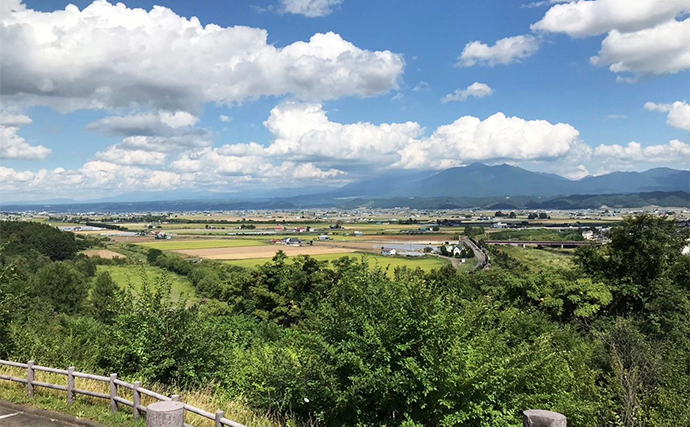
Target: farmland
[(245, 252), (540, 259), (201, 244), (426, 264), (135, 275)]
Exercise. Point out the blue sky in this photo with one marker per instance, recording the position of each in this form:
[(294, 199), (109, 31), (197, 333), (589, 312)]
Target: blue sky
[(544, 107)]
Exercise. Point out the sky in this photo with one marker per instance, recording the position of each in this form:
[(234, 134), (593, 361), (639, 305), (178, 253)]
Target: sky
[(99, 99)]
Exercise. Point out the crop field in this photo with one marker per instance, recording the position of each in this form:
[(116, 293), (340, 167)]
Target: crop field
[(134, 275), (174, 245), (426, 264), (246, 252), (540, 259), (103, 253), (542, 234)]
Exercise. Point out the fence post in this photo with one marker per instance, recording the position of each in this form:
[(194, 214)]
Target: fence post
[(30, 377), (113, 392), (70, 385), (539, 418), (136, 399), (219, 416), (165, 414), (175, 397)]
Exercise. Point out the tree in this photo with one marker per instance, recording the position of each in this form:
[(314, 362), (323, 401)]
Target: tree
[(532, 216), (152, 255), (62, 286), (106, 298), (543, 215), (512, 215)]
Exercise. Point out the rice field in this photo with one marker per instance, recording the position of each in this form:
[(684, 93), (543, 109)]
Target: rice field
[(426, 264), (134, 276), (540, 259), (175, 245)]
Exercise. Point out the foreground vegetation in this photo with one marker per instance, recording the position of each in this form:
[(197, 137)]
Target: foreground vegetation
[(604, 339)]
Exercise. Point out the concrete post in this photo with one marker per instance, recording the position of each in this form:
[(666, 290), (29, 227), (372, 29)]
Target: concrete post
[(136, 399), (70, 385), (113, 392), (539, 418), (30, 378), (219, 416), (165, 414)]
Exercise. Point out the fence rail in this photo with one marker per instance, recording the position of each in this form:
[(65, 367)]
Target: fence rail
[(115, 385)]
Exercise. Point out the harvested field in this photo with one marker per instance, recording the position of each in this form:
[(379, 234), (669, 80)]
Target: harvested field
[(262, 251), (200, 244), (103, 253)]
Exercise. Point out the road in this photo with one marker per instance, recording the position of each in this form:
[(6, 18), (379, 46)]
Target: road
[(478, 252), (11, 417)]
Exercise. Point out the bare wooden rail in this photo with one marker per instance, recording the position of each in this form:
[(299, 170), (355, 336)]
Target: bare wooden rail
[(115, 385)]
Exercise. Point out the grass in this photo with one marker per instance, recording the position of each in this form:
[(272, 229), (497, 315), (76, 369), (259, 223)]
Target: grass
[(539, 234), (426, 264), (125, 275), (540, 259), (201, 244), (98, 409)]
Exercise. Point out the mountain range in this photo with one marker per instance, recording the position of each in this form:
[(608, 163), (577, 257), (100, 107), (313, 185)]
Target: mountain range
[(476, 181)]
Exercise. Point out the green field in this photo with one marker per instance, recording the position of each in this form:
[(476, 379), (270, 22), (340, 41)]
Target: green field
[(540, 259), (202, 244), (538, 234), (426, 264), (125, 275)]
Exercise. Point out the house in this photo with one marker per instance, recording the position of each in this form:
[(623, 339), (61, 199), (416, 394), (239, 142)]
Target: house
[(457, 251), (324, 237), (279, 229), (358, 233), (589, 235), (499, 225), (292, 241), (300, 229), (388, 252)]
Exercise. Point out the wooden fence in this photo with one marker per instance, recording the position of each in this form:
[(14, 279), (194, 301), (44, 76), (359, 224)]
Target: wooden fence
[(115, 385)]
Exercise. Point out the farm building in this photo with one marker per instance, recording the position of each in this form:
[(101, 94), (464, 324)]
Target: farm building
[(388, 251)]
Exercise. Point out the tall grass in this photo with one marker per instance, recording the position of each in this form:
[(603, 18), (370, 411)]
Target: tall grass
[(98, 409)]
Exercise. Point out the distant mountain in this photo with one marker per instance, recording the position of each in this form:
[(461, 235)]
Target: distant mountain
[(479, 180)]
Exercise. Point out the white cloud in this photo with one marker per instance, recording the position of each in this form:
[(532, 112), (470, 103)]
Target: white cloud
[(591, 18), (117, 155), (422, 87), (178, 119), (497, 137), (542, 3), (310, 8), (674, 151), (111, 56), (505, 51), (678, 113), (161, 123), (664, 49), (579, 172), (14, 120), (475, 90), (617, 117), (223, 118), (643, 37), (13, 146)]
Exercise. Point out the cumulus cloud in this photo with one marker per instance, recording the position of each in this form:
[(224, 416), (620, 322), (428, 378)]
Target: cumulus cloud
[(497, 137), (594, 17), (674, 151), (112, 56), (122, 156), (309, 8), (643, 37), (475, 90), (223, 118), (678, 113), (504, 51), (13, 146)]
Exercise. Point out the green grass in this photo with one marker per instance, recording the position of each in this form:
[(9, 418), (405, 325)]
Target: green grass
[(536, 234), (540, 259), (426, 264), (82, 407), (202, 244), (125, 275)]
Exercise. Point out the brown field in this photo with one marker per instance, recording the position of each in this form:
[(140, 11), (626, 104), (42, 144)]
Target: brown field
[(261, 251), (103, 253)]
